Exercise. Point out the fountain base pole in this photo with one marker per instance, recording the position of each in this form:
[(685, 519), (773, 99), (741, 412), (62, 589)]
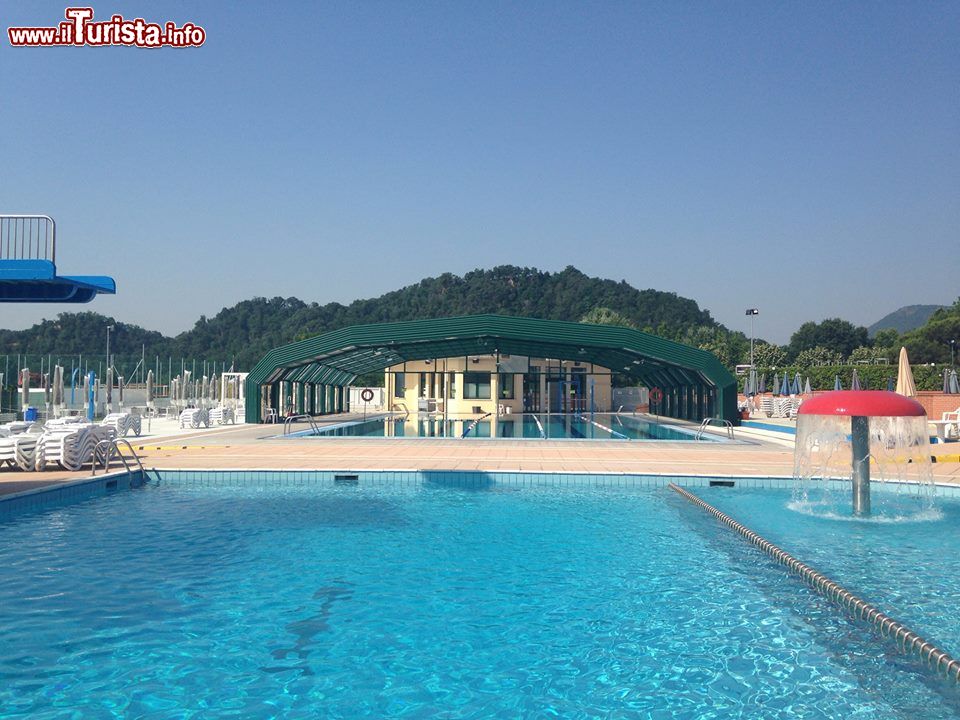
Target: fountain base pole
[(860, 435)]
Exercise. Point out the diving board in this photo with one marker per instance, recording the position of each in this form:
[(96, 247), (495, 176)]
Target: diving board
[(28, 271)]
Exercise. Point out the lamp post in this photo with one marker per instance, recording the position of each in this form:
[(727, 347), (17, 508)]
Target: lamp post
[(953, 347), (109, 328), (752, 312)]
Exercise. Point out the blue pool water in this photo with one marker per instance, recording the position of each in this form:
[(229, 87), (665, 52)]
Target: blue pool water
[(600, 426), (426, 599)]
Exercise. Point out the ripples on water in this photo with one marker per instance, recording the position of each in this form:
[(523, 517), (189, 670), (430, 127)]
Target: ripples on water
[(421, 602)]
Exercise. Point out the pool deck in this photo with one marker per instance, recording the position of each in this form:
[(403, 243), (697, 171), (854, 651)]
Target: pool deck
[(255, 447)]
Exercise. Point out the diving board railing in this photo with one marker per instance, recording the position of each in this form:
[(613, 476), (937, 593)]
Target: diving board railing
[(28, 237)]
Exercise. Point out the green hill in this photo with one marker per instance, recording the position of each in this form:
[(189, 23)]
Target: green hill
[(907, 318), (244, 332)]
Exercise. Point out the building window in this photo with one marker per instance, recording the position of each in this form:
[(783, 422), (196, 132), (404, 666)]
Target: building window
[(476, 386), (505, 386), (423, 385), (453, 386), (398, 385)]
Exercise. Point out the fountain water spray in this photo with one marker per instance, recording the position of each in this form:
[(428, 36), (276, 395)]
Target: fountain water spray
[(842, 434)]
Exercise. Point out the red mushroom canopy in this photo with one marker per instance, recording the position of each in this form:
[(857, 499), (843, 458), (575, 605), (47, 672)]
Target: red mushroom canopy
[(862, 403)]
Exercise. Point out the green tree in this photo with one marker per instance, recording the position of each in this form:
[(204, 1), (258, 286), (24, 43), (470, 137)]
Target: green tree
[(767, 355), (837, 335), (931, 342), (815, 356), (606, 316), (866, 354)]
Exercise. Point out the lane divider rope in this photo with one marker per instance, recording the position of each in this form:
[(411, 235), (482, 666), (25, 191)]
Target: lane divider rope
[(907, 640)]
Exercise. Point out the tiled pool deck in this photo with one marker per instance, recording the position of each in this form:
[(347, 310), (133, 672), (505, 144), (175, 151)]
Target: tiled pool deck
[(256, 448)]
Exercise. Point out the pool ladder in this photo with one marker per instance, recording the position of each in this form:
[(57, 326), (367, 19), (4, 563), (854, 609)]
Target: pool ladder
[(708, 421), (294, 418), (106, 449)]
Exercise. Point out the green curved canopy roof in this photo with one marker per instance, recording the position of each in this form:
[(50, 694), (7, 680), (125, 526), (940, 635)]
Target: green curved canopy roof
[(338, 357)]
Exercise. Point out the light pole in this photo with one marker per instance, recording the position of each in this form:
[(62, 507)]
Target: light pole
[(953, 347), (752, 312), (109, 328)]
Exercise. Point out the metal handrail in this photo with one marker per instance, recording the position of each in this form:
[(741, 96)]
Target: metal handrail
[(21, 237), (293, 418), (114, 445), (724, 423)]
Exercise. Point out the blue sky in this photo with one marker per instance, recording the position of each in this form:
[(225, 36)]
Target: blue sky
[(803, 158)]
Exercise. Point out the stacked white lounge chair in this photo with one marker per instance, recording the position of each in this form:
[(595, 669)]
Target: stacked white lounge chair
[(19, 450), (71, 445), (222, 415), (194, 418), (123, 423)]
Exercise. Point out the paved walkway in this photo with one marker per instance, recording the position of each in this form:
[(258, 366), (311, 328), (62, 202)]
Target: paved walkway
[(258, 447)]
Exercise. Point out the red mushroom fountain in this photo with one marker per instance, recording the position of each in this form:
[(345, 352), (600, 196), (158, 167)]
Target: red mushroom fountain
[(839, 433)]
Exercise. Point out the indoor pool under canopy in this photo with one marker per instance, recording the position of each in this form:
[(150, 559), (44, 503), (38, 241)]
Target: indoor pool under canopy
[(521, 426), (388, 594)]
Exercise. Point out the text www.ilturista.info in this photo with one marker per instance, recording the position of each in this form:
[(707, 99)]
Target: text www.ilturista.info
[(79, 29)]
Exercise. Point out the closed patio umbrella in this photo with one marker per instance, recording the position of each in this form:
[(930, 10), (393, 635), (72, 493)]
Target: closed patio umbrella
[(109, 389), (954, 383), (120, 389), (776, 384), (763, 384), (47, 393), (785, 385), (855, 381), (837, 385), (946, 381), (205, 388), (806, 387), (797, 385), (24, 388), (891, 384), (57, 387), (150, 389), (905, 384)]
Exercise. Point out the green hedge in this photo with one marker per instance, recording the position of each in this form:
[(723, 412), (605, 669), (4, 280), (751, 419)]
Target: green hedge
[(872, 377)]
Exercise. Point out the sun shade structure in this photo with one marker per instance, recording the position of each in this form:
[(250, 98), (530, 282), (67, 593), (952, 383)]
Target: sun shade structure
[(694, 383), (28, 271)]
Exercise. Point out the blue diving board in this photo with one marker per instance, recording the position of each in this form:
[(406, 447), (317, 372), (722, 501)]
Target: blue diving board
[(36, 281)]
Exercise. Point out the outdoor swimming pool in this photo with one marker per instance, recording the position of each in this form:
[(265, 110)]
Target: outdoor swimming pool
[(599, 426), (264, 594)]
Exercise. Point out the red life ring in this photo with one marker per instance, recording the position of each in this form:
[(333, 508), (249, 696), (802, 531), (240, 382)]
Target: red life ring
[(656, 394)]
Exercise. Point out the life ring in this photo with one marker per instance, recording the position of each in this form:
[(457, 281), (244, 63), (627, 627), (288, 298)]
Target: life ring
[(366, 394), (656, 394)]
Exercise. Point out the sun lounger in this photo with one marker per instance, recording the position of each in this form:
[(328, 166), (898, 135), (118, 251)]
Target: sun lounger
[(71, 446), (222, 415), (948, 426), (19, 450), (123, 423), (766, 405), (194, 418)]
